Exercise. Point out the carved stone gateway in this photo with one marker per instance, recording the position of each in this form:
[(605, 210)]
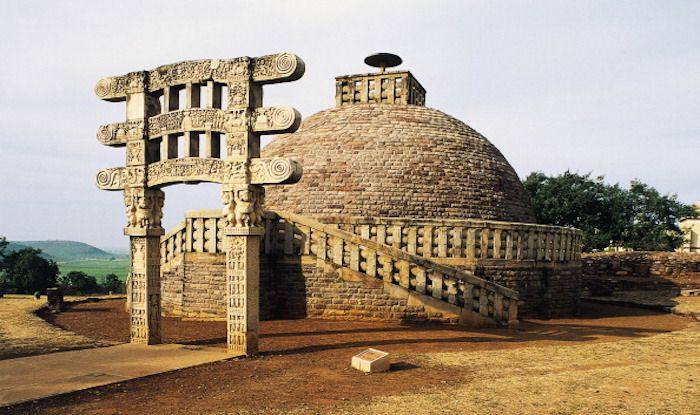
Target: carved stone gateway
[(213, 110)]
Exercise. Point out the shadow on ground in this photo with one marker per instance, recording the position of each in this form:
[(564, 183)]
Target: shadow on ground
[(107, 320)]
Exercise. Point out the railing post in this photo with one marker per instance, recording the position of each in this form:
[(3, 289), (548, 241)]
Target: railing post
[(388, 269), (371, 262), (198, 234), (484, 243), (509, 245), (412, 240), (321, 247), (381, 234), (471, 244), (306, 239), (531, 250), (404, 273), (288, 238), (451, 291), (338, 251), (354, 257), (468, 296), (498, 307), (396, 237), (457, 242), (435, 278), (442, 242), (427, 241), (483, 302), (420, 280), (497, 244), (512, 311)]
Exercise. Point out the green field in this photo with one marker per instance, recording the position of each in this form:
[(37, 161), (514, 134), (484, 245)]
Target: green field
[(98, 268)]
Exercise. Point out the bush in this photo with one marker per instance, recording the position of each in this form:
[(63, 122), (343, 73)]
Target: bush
[(25, 271), (113, 283), (77, 282)]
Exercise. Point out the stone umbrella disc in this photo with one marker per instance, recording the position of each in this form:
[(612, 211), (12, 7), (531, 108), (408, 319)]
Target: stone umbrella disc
[(383, 60)]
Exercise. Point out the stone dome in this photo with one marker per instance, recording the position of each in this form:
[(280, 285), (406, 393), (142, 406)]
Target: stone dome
[(391, 160)]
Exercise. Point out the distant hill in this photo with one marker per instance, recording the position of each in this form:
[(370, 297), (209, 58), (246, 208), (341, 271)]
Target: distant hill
[(63, 251)]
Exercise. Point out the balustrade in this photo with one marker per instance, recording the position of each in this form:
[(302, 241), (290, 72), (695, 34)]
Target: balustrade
[(401, 252), (472, 240), (487, 242)]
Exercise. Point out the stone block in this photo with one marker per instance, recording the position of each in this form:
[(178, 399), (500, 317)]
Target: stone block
[(54, 297), (371, 361)]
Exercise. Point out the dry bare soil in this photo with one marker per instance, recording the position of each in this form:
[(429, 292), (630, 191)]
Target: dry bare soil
[(610, 360), (23, 333)]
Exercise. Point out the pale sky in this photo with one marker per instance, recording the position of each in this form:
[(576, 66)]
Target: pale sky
[(608, 87)]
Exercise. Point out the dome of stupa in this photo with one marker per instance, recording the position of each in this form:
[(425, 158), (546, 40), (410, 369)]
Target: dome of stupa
[(380, 152)]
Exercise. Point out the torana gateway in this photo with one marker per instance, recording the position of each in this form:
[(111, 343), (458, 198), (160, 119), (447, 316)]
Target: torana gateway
[(402, 212)]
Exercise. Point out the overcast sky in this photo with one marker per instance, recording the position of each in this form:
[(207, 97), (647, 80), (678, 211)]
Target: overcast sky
[(608, 87)]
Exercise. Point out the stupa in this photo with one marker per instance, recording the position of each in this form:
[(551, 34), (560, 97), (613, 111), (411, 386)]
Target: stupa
[(402, 212)]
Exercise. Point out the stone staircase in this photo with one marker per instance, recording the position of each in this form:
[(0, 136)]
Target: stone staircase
[(411, 286), (419, 280), (358, 300)]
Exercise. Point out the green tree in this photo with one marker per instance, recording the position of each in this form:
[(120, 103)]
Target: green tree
[(112, 283), (638, 218), (25, 271), (78, 282), (653, 219)]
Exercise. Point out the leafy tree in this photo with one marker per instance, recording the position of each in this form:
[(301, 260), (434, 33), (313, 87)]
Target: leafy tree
[(653, 219), (25, 271), (78, 282), (112, 283), (3, 246), (638, 218)]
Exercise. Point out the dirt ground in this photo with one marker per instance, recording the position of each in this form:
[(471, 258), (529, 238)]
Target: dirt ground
[(304, 367), (23, 333), (670, 300)]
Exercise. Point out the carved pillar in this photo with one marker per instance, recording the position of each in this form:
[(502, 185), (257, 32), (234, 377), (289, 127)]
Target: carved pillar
[(243, 214), (144, 207), (144, 212), (243, 289)]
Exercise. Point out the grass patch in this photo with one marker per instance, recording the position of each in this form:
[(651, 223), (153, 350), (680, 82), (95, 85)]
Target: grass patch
[(98, 268)]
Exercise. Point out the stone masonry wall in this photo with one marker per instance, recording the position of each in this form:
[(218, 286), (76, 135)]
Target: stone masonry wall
[(545, 292), (195, 286), (309, 288), (606, 272), (298, 287)]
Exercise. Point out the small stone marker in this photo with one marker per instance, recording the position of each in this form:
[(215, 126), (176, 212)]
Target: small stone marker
[(371, 360), (54, 299)]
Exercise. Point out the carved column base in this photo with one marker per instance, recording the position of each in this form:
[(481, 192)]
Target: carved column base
[(243, 289), (144, 293)]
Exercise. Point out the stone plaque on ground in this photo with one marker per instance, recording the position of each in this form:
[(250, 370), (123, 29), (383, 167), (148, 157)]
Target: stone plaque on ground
[(371, 360)]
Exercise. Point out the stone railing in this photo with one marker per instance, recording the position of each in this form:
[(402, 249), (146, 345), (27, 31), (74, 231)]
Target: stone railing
[(396, 87), (289, 234), (201, 231), (462, 242), (306, 236), (469, 241)]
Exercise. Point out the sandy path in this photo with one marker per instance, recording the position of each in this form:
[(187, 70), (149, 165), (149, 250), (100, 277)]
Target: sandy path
[(23, 333)]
